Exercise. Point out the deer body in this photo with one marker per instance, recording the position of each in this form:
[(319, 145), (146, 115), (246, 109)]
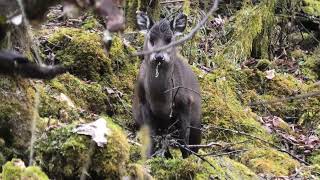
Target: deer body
[(159, 102)]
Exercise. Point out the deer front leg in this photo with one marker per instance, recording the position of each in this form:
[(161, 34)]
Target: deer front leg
[(184, 133)]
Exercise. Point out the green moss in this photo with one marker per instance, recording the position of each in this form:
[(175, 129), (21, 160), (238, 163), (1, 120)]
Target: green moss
[(51, 106), (130, 12), (15, 169), (256, 87), (121, 60), (138, 172), (90, 96), (11, 170), (190, 168), (82, 52), (90, 23), (135, 153), (16, 107), (268, 160), (226, 168), (315, 158), (311, 65), (250, 32), (173, 168), (221, 107), (186, 7), (34, 173), (124, 79), (62, 153), (311, 7)]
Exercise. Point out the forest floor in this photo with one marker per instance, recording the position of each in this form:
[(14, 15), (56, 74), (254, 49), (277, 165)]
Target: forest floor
[(259, 85)]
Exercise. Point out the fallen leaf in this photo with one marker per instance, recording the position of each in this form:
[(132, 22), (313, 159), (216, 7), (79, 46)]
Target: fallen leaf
[(270, 74)]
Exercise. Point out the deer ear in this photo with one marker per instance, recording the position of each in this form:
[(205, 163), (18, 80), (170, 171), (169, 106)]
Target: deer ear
[(144, 22), (178, 24)]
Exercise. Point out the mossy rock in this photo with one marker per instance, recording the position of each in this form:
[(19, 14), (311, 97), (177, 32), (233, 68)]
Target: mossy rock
[(62, 154), (123, 80), (86, 95), (53, 106), (281, 85), (191, 168), (255, 87), (269, 161), (15, 169), (83, 52), (115, 70), (16, 107), (221, 107), (125, 67)]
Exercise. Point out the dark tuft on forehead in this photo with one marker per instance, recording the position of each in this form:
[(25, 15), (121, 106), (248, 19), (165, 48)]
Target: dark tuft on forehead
[(161, 30)]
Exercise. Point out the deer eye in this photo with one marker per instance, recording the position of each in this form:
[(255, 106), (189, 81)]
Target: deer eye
[(152, 41), (167, 40)]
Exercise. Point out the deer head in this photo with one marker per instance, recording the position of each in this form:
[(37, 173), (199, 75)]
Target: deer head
[(160, 34)]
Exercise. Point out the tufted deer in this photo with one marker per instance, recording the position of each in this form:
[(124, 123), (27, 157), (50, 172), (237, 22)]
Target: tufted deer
[(166, 93)]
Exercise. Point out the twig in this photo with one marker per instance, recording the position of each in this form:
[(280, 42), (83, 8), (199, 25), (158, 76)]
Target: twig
[(194, 153), (300, 96), (185, 38), (173, 1), (224, 153), (206, 145), (134, 143), (262, 140), (178, 87)]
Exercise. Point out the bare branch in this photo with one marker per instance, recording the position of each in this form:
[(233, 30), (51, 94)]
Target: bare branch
[(300, 96), (187, 37)]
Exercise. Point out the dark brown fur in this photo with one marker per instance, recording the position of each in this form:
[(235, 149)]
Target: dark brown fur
[(152, 107)]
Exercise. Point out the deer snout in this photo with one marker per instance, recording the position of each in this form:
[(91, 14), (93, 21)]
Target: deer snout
[(159, 57)]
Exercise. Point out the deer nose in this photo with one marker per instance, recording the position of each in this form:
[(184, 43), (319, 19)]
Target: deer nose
[(159, 57)]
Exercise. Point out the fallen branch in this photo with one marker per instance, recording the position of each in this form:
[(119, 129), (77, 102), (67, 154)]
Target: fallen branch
[(185, 38), (262, 140), (300, 96)]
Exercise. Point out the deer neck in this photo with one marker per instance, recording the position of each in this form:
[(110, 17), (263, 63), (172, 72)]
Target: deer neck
[(160, 79)]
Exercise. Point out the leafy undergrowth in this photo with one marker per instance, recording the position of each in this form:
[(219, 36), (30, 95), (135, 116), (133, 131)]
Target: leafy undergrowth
[(245, 136)]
